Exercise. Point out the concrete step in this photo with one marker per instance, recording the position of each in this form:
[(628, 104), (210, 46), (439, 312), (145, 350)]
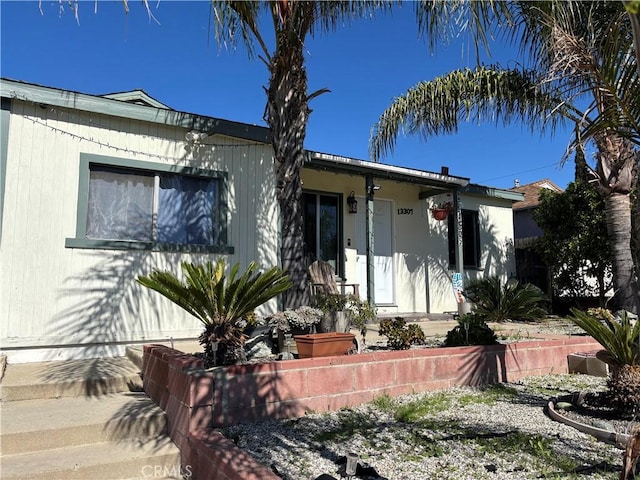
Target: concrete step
[(32, 425), (71, 378), (135, 352), (109, 461)]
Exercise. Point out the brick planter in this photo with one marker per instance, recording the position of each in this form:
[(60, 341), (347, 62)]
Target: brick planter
[(197, 400)]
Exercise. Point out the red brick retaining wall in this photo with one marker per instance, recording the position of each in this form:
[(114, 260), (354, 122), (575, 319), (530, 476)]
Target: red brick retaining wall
[(197, 400)]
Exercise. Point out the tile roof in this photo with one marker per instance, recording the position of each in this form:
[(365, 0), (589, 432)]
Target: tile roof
[(531, 192)]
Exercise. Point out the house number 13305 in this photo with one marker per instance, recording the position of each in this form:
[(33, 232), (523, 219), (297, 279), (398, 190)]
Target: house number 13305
[(405, 211)]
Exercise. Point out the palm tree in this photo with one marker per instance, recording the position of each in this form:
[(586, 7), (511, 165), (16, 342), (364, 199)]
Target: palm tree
[(581, 52), (287, 109)]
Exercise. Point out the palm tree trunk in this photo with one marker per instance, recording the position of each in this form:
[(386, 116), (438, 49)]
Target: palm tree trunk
[(617, 170), (287, 114), (618, 212)]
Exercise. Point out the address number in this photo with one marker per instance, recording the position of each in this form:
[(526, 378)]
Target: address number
[(405, 211)]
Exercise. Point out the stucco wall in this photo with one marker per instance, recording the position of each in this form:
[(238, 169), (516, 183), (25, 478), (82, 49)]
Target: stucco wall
[(497, 255), (52, 295)]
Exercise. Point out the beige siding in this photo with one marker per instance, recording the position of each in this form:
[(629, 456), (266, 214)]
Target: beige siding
[(53, 295)]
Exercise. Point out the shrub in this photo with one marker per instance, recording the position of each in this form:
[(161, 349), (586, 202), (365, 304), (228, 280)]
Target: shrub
[(513, 301), (360, 311), (471, 330), (619, 337), (400, 335), (219, 301), (330, 302), (302, 318)]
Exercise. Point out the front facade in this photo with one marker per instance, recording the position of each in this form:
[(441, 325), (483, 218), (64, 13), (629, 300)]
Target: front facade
[(97, 190)]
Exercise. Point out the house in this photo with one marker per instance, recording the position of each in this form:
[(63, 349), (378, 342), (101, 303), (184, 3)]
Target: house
[(530, 267), (95, 190)]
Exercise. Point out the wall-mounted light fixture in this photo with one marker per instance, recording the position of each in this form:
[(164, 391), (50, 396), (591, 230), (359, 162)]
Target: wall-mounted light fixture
[(352, 202), (194, 136), (372, 188)]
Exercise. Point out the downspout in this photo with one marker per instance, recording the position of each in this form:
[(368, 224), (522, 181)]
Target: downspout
[(459, 253), (371, 295)]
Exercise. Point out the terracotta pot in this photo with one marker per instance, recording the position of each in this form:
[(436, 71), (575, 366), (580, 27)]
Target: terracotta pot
[(323, 344), (439, 213)]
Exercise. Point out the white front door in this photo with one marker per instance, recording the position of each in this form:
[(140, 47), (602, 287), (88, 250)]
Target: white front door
[(383, 251)]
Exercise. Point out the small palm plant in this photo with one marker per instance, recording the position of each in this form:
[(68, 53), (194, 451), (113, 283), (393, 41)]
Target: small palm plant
[(619, 337), (219, 301), (513, 301)]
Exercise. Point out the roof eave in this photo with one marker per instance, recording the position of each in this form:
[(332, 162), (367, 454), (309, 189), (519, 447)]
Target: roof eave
[(336, 163), (484, 191), (95, 104)]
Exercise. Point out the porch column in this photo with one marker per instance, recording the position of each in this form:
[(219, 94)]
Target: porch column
[(457, 228), (371, 294)]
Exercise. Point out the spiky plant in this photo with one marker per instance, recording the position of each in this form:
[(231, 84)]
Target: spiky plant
[(513, 301), (471, 330), (619, 337), (219, 301)]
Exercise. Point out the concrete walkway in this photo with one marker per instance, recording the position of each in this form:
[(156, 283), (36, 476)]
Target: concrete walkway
[(436, 326)]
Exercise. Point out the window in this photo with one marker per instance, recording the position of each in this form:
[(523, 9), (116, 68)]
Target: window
[(123, 205), (321, 228), (470, 239)]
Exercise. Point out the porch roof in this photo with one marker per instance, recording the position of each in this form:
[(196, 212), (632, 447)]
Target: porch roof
[(435, 182)]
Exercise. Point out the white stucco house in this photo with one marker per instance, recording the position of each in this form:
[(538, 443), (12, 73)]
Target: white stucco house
[(95, 190)]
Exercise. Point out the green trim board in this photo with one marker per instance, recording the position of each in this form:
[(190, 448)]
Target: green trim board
[(474, 189), (152, 246), (97, 104), (5, 115), (81, 240)]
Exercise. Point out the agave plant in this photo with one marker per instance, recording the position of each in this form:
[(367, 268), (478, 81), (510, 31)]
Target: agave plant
[(619, 337), (219, 301), (496, 303)]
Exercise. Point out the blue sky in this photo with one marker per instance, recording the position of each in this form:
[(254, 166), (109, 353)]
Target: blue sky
[(365, 65)]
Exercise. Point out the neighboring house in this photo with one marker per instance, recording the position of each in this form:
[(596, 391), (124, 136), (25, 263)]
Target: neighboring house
[(529, 266), (95, 190)]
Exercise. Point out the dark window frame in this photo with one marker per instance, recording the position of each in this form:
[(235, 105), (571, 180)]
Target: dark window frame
[(339, 227), (470, 239)]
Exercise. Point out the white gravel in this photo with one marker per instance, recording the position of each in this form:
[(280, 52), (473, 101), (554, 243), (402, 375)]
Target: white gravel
[(469, 434)]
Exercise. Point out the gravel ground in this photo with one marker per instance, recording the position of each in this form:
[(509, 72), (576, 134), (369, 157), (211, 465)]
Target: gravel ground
[(500, 432)]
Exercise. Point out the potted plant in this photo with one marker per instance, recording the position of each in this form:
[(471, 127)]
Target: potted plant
[(302, 320), (441, 210), (360, 313), (332, 305)]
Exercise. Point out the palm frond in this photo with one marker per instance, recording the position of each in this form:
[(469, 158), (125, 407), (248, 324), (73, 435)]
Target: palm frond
[(213, 297), (486, 93), (497, 302), (619, 337)]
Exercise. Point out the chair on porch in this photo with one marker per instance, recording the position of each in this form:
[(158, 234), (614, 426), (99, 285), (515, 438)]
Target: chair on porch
[(323, 280)]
